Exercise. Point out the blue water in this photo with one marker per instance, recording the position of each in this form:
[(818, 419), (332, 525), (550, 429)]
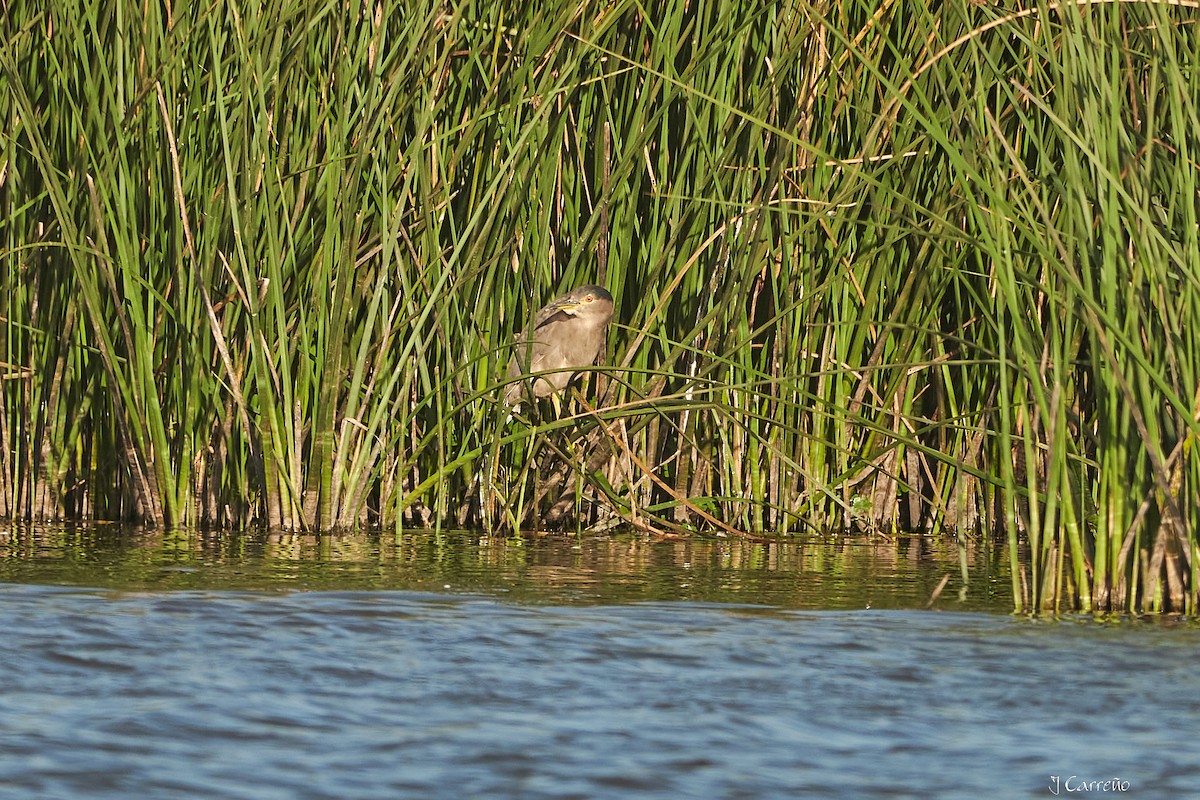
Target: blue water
[(402, 694)]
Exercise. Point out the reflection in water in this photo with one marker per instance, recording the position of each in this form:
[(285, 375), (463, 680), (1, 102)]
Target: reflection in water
[(820, 572)]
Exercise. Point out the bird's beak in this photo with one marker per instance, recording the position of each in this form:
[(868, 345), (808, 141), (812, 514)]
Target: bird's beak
[(568, 306)]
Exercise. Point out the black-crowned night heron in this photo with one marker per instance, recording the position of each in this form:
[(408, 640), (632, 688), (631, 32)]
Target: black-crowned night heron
[(566, 335)]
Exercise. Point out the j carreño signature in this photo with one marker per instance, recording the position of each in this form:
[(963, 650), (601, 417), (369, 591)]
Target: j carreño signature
[(1074, 783)]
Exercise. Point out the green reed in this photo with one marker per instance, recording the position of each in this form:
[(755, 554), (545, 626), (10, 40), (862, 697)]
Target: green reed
[(898, 266)]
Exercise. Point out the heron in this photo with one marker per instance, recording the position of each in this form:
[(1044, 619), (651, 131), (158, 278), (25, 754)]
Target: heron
[(566, 336)]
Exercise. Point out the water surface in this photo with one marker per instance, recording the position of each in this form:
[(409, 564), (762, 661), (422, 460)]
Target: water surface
[(527, 679), (816, 573)]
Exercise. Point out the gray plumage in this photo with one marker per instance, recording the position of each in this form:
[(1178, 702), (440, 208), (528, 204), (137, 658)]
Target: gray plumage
[(566, 335)]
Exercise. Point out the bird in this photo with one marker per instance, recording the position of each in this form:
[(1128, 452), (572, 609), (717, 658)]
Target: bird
[(566, 335)]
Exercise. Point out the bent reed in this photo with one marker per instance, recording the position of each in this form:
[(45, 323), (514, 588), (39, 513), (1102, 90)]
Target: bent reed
[(903, 266)]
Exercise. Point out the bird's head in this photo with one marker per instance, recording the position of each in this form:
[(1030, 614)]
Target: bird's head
[(587, 302)]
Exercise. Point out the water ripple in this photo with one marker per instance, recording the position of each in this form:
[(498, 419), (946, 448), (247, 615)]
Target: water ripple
[(401, 694)]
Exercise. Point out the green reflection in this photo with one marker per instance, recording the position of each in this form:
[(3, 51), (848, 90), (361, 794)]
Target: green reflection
[(812, 573)]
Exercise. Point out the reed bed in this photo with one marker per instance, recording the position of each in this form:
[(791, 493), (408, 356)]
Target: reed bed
[(881, 266)]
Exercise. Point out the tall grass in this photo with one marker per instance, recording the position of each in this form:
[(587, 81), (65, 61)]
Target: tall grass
[(888, 266)]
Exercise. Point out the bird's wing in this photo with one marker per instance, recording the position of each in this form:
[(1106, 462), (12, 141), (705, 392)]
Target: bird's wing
[(549, 314), (530, 352)]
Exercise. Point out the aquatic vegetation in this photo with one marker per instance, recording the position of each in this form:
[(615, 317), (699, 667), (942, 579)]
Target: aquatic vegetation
[(878, 266)]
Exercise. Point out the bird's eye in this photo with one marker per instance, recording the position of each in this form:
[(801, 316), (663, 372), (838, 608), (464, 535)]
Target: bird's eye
[(587, 299)]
